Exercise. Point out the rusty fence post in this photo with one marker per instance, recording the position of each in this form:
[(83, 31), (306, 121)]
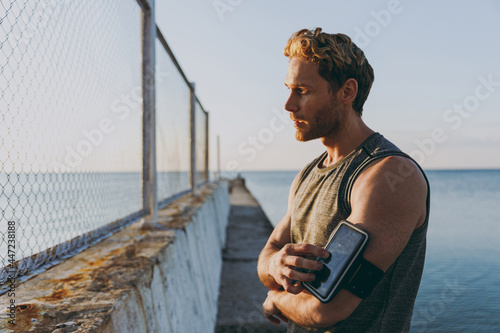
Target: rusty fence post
[(150, 201)]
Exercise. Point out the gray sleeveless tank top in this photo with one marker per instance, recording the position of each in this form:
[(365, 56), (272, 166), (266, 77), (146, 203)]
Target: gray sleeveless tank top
[(322, 201)]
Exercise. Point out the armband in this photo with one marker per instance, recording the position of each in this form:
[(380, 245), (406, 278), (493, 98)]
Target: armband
[(345, 267), (364, 278)]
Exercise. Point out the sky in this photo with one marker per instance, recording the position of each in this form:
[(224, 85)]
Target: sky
[(437, 75), (71, 85)]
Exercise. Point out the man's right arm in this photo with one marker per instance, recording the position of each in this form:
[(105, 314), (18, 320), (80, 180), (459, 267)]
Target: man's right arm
[(278, 257)]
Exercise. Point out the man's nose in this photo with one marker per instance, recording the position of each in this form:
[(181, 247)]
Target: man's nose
[(291, 104)]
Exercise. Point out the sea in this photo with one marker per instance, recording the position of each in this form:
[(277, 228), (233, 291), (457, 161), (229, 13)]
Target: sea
[(460, 287), (46, 209)]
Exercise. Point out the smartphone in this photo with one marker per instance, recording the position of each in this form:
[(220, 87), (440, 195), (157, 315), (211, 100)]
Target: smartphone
[(346, 244)]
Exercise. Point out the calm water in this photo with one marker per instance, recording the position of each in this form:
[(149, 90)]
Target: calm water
[(460, 289)]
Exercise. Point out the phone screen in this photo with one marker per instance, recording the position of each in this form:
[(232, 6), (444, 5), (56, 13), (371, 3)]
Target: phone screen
[(342, 248)]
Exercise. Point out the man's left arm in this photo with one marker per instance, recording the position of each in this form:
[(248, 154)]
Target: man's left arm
[(390, 205)]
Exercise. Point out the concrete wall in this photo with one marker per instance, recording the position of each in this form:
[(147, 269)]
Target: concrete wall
[(138, 280)]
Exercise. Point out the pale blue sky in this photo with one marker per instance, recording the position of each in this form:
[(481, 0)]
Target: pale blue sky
[(427, 56)]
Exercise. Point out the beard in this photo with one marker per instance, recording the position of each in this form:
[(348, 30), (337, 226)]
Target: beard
[(324, 122)]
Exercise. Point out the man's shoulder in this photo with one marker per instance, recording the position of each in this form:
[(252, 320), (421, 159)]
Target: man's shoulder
[(391, 165), (393, 172), (379, 144), (393, 184)]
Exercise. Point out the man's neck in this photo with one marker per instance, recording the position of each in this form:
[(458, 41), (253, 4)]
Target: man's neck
[(346, 139)]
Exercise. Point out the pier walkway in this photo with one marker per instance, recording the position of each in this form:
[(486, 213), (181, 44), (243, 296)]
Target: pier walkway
[(241, 293)]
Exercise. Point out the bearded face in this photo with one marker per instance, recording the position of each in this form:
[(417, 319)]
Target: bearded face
[(319, 123), (312, 104)]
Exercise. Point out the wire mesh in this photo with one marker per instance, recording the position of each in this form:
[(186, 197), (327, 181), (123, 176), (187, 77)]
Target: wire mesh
[(71, 134), (172, 127), (71, 129)]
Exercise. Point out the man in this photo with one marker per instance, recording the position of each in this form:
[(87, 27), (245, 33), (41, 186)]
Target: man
[(362, 178)]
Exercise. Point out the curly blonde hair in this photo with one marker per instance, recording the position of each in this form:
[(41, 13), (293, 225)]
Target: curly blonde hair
[(338, 57)]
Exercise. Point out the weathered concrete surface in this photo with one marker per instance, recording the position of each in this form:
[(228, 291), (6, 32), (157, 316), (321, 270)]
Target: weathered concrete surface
[(137, 280), (241, 293)]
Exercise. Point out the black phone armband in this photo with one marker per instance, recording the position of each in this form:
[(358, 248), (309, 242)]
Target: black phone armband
[(345, 267), (364, 279)]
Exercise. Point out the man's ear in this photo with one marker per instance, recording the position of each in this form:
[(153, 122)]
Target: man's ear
[(348, 91)]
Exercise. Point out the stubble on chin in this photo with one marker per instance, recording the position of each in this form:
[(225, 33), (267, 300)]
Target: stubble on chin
[(299, 136), (305, 136), (326, 121)]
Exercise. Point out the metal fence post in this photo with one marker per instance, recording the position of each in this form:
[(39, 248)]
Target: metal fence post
[(206, 173), (193, 140), (218, 157), (150, 201)]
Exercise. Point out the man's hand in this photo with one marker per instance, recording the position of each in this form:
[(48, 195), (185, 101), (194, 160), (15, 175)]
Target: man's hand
[(283, 264), (271, 311)]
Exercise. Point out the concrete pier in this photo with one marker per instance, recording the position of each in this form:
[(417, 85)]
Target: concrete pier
[(146, 280), (140, 279), (241, 293)]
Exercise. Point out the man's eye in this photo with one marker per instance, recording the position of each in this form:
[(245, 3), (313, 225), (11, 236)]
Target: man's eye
[(302, 91)]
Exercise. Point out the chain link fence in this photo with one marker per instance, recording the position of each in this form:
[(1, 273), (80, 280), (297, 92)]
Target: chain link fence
[(71, 135), (173, 109)]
